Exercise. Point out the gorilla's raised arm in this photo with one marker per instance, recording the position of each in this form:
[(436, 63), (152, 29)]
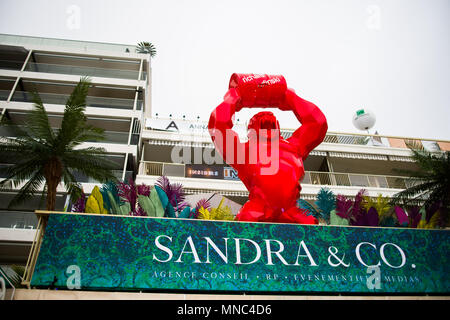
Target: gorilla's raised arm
[(314, 124), (220, 123)]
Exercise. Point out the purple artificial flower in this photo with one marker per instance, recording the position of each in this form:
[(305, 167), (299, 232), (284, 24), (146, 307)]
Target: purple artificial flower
[(343, 206), (414, 216), (174, 192), (139, 212), (369, 218), (402, 216), (128, 193), (372, 218), (357, 209), (143, 190), (80, 204)]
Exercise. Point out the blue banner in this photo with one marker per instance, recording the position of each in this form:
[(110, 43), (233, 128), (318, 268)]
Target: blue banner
[(101, 252)]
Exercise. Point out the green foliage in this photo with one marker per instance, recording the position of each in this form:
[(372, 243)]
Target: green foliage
[(48, 156), (185, 213), (125, 209), (111, 199), (146, 47), (303, 204), (326, 202), (16, 279), (430, 184), (157, 203), (169, 211), (114, 207), (147, 205), (336, 220)]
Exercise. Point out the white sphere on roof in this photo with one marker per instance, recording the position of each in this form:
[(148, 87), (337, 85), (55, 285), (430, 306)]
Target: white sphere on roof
[(364, 119)]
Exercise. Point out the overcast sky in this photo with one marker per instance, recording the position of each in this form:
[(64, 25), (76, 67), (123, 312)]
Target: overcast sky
[(391, 56)]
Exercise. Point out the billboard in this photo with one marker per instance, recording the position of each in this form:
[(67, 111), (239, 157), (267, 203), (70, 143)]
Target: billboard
[(104, 252)]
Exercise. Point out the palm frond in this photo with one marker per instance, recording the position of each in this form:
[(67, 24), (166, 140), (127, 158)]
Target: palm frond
[(91, 162), (29, 189), (146, 47), (305, 205), (326, 202), (38, 123), (74, 119)]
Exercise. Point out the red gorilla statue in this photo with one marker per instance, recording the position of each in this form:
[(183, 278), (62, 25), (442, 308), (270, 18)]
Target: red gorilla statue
[(273, 183)]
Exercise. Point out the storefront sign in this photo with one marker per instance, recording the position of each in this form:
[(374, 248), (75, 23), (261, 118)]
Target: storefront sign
[(229, 173), (188, 126), (204, 171), (95, 252)]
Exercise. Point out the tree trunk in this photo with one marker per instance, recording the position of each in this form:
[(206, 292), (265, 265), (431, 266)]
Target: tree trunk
[(53, 173)]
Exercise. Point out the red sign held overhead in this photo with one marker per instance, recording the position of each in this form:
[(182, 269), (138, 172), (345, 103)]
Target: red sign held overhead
[(259, 89)]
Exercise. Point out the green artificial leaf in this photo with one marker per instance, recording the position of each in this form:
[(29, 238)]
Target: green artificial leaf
[(162, 196), (185, 213), (335, 220), (124, 209), (303, 204), (147, 205), (168, 209), (115, 209), (154, 198)]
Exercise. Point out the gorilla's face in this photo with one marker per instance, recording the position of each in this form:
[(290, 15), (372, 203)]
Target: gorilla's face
[(264, 120)]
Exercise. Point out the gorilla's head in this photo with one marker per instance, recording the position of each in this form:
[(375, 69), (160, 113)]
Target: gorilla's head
[(264, 120)]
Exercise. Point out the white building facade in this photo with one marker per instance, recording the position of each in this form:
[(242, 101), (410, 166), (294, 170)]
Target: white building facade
[(118, 101)]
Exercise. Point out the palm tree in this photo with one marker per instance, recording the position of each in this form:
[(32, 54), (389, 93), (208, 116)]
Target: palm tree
[(146, 47), (43, 154), (431, 183)]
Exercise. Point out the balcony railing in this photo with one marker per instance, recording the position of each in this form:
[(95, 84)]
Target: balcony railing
[(81, 177), (84, 71), (65, 43), (378, 140), (311, 177), (18, 220), (361, 139), (11, 65), (110, 136), (4, 94), (117, 173), (61, 99), (151, 168), (355, 180)]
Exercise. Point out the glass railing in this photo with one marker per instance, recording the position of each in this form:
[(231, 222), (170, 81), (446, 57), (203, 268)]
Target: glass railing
[(18, 40), (4, 94), (98, 102), (110, 136), (378, 140), (114, 137), (372, 140), (84, 71), (11, 65), (356, 180), (117, 173), (311, 177), (18, 220)]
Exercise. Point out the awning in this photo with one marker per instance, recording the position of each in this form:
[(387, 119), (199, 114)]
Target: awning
[(401, 158), (352, 155)]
